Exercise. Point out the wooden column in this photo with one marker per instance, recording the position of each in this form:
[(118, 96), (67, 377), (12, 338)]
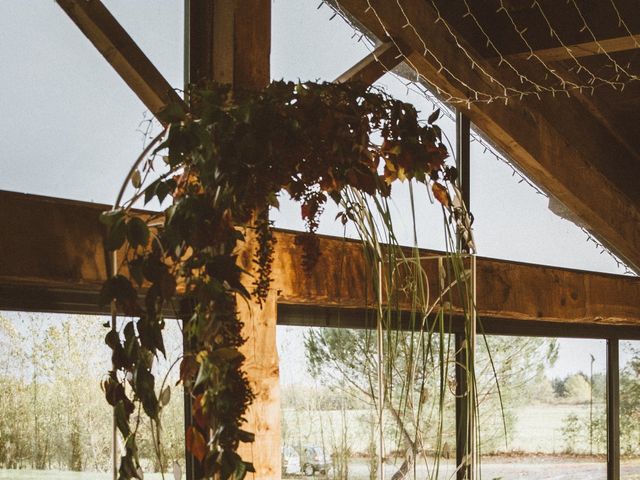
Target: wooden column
[(229, 41)]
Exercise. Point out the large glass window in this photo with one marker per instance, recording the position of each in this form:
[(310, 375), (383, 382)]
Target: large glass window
[(54, 419), (330, 397), (548, 417), (70, 125), (514, 220), (630, 410)]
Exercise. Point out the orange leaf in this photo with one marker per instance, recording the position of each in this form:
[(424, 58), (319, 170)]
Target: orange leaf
[(440, 193), (195, 443), (197, 412), (188, 368)]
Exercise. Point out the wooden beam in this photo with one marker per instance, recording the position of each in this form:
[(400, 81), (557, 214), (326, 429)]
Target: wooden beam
[(230, 42), (55, 247), (383, 59), (560, 145), (124, 55), (585, 49)]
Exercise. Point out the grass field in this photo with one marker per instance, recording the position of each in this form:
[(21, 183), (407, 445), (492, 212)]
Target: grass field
[(536, 429)]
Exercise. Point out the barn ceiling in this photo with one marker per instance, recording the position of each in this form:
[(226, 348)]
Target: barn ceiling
[(554, 84)]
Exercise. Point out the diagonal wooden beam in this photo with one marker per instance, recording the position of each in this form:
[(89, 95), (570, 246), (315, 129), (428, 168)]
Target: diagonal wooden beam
[(560, 145), (124, 55), (585, 49), (382, 60)]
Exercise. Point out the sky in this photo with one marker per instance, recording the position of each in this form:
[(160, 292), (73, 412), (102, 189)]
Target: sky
[(71, 127)]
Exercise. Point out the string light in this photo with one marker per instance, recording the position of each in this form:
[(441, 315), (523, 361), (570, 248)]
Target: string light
[(586, 27), (425, 86), (475, 95), (581, 67), (622, 23)]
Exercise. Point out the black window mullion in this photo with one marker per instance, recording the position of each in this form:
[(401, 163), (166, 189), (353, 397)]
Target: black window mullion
[(613, 409)]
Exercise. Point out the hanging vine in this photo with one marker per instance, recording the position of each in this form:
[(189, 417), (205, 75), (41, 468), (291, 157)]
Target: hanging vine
[(229, 158)]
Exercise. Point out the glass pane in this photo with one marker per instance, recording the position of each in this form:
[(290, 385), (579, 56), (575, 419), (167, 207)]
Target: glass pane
[(548, 419), (54, 419), (515, 221), (329, 400), (630, 410), (71, 126)]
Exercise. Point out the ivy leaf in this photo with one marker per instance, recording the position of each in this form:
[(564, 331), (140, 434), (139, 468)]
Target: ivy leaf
[(196, 443), (136, 179), (119, 288), (165, 396), (150, 191), (197, 412), (246, 437), (122, 418), (188, 368), (172, 113), (433, 117), (136, 270), (137, 232), (232, 466), (110, 217), (116, 235), (162, 190)]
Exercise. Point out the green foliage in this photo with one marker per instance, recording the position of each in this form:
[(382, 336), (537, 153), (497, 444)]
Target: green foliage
[(228, 158), (577, 388), (52, 415)]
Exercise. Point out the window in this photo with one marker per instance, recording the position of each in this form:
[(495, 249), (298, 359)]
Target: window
[(53, 415), (551, 411)]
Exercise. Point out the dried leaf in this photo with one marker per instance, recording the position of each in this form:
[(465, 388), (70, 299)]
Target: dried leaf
[(433, 117), (177, 471), (440, 193), (136, 179), (165, 396), (196, 443)]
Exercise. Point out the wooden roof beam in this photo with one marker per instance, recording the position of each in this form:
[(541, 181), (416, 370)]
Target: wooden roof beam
[(62, 261), (560, 145), (586, 49), (124, 55)]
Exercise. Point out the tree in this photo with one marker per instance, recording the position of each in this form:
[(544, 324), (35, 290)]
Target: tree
[(577, 388), (422, 379)]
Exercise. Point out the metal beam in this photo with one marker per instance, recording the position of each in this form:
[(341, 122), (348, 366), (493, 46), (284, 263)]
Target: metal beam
[(613, 409), (382, 60), (124, 55)]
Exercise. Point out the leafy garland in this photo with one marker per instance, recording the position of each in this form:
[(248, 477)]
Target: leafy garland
[(228, 158)]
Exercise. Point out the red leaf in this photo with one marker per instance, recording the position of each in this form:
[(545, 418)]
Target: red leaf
[(188, 368), (196, 443), (198, 413)]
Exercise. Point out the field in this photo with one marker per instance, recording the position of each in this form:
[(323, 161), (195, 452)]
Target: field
[(537, 429), (535, 450)]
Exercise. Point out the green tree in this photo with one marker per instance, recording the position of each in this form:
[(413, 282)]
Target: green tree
[(509, 370)]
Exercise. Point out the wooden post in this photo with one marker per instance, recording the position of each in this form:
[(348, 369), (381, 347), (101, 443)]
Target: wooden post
[(229, 42)]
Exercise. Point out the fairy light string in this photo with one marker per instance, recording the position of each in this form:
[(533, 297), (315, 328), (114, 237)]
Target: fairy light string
[(441, 98)]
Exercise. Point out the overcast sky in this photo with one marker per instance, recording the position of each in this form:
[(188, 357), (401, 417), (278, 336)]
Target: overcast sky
[(70, 126)]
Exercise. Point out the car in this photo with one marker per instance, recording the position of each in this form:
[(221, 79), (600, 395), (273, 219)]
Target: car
[(314, 460), (307, 460)]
